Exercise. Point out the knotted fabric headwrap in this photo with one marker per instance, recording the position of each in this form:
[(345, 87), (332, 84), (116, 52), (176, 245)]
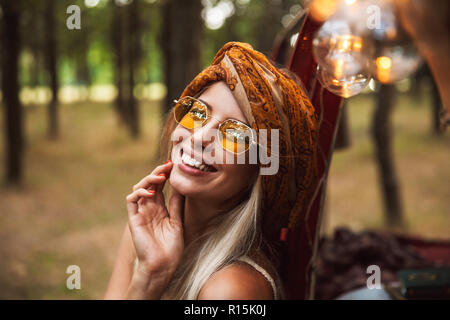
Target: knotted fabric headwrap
[(271, 99)]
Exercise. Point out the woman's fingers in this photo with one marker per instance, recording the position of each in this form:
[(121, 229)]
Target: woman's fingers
[(163, 170), (149, 181), (134, 197), (157, 177), (163, 167), (176, 208)]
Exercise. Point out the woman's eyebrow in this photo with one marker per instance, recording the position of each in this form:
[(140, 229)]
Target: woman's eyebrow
[(206, 104), (210, 108)]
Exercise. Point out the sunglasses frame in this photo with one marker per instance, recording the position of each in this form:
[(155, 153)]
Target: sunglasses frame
[(221, 123)]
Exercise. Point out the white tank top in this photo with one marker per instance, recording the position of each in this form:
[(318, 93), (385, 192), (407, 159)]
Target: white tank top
[(263, 272), (255, 266)]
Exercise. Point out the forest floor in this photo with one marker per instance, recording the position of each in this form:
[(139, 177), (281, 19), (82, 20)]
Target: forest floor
[(71, 208)]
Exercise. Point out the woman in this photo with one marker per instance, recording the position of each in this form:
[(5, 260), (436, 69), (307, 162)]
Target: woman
[(219, 238)]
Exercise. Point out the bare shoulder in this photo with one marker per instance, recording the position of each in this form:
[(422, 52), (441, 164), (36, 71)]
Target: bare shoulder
[(238, 281)]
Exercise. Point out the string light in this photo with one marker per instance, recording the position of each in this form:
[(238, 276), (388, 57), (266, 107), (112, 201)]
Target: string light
[(338, 51), (343, 86), (350, 52)]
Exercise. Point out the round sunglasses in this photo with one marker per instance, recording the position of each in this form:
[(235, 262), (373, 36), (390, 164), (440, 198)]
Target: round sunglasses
[(234, 135)]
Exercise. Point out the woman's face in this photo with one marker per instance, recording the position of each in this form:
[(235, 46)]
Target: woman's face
[(219, 181)]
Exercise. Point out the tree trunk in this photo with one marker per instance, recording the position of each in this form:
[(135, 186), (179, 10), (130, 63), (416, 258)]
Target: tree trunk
[(343, 134), (35, 69), (382, 135), (117, 39), (51, 61), (269, 26), (10, 88), (436, 107), (35, 22), (82, 66), (180, 41), (133, 60)]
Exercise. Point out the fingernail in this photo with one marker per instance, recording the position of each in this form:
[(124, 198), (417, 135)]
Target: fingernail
[(151, 191), (168, 161), (162, 175)]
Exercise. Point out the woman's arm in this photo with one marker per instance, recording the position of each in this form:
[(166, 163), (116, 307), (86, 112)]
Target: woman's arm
[(123, 268), (124, 284), (148, 285), (154, 236)]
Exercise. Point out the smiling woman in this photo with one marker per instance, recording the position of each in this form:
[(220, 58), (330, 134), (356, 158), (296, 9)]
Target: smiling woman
[(219, 238)]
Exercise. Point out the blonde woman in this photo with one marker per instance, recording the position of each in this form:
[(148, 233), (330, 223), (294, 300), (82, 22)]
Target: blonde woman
[(219, 236)]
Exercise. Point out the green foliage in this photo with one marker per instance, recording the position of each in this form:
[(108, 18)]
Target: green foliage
[(86, 56)]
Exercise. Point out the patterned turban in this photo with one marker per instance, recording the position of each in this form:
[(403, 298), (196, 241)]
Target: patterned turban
[(271, 99)]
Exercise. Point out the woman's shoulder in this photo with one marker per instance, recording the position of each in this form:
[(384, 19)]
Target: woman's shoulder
[(237, 281)]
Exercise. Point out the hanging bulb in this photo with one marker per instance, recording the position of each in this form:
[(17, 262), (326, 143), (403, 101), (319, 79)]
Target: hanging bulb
[(321, 10), (337, 48), (393, 62), (391, 55), (344, 86), (335, 42)]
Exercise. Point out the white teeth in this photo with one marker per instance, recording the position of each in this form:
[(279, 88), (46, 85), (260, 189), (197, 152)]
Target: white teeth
[(193, 163)]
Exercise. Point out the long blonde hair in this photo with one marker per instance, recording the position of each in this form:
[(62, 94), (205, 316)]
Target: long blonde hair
[(229, 236)]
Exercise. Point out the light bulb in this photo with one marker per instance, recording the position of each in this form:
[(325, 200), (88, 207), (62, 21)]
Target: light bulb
[(393, 62), (391, 55), (337, 47), (344, 86), (321, 10), (335, 44)]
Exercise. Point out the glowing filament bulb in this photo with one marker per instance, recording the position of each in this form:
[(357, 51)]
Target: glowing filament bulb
[(357, 45), (384, 65), (339, 68), (321, 10)]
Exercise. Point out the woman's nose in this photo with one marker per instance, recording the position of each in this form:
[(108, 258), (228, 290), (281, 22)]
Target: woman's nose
[(203, 135)]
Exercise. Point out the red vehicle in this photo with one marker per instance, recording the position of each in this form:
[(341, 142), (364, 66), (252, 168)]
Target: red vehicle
[(303, 241)]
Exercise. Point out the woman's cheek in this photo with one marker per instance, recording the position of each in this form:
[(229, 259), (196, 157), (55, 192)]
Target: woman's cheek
[(179, 135)]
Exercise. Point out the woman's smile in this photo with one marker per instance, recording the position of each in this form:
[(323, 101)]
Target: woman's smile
[(191, 166)]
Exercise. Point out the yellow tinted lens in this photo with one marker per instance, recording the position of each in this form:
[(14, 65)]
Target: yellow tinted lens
[(190, 113), (236, 136)]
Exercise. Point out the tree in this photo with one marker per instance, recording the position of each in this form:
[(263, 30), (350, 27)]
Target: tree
[(269, 26), (436, 108), (134, 56), (382, 135), (32, 20), (118, 48), (343, 131), (181, 45), (10, 39), (52, 68), (126, 42)]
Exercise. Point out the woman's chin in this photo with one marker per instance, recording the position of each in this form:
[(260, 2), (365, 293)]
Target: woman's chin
[(182, 185)]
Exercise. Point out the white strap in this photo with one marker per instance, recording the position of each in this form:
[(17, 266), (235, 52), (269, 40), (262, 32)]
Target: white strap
[(263, 272)]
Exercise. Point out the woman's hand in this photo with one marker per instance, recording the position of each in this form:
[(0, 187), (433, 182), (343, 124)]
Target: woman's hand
[(157, 232)]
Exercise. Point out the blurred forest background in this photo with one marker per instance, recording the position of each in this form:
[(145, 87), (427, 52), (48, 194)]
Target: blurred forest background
[(81, 113)]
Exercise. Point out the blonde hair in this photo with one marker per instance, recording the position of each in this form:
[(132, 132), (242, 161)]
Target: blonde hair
[(229, 236)]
